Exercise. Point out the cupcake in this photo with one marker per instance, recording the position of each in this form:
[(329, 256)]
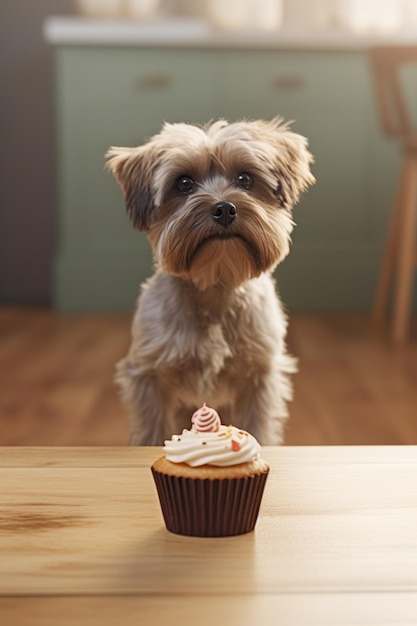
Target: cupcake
[(211, 480)]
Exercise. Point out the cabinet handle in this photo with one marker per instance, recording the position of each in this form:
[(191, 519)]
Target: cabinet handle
[(154, 81), (290, 81)]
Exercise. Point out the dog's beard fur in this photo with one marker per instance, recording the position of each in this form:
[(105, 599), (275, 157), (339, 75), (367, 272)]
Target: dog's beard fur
[(190, 244), (193, 251)]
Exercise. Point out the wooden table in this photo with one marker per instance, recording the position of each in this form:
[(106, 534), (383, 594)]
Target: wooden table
[(82, 541)]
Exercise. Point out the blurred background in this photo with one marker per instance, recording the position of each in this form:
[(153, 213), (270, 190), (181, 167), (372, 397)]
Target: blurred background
[(79, 76)]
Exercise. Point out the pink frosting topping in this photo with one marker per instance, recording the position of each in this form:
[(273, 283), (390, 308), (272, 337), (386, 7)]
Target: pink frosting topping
[(206, 420)]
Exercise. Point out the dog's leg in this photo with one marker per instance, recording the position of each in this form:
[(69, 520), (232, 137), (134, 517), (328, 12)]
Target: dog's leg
[(261, 415), (148, 404), (261, 407)]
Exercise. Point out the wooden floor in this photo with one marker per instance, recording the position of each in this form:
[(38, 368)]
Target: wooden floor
[(56, 384)]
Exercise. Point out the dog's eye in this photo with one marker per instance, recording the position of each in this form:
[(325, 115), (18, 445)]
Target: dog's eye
[(244, 180), (185, 184)]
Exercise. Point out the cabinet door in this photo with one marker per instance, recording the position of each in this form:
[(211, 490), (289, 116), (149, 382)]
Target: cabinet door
[(113, 97), (337, 240)]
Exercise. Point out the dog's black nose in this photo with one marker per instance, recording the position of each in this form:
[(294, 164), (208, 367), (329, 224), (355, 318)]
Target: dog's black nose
[(223, 212)]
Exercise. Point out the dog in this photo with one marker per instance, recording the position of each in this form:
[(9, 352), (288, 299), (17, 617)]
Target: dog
[(216, 203)]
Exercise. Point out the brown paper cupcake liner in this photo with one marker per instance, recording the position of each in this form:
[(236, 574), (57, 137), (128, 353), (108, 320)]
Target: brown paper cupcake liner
[(210, 508)]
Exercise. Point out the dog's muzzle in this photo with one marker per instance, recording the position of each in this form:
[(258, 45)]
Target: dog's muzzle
[(223, 213)]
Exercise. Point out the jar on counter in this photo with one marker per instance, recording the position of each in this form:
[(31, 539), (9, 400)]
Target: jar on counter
[(140, 9), (309, 13), (245, 14), (410, 11), (371, 16), (99, 8)]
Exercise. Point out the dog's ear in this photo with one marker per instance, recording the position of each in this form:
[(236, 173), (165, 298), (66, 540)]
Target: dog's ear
[(293, 161), (133, 170), (287, 157)]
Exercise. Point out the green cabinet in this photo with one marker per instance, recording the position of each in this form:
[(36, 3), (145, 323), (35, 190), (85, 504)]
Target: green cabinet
[(121, 95)]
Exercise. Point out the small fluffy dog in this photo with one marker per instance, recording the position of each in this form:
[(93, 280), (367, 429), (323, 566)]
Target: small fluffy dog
[(216, 204)]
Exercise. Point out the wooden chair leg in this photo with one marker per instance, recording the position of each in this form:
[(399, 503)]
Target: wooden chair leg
[(380, 304), (406, 253)]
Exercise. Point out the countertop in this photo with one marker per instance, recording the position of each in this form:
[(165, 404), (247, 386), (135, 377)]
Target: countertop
[(82, 541), (191, 33)]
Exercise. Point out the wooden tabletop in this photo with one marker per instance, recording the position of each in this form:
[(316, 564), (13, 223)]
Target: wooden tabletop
[(82, 541)]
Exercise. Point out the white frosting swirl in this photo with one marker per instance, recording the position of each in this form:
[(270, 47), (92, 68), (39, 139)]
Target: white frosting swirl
[(228, 446)]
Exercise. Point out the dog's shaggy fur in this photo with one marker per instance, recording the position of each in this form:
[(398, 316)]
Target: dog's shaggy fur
[(216, 204)]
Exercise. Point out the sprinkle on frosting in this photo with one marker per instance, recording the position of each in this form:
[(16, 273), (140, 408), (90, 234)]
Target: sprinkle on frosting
[(221, 446)]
